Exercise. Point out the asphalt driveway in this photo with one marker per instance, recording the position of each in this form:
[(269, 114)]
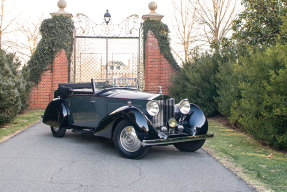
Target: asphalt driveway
[(36, 161)]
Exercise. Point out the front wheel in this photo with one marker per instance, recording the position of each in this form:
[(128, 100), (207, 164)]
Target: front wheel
[(127, 142), (58, 131), (190, 146)]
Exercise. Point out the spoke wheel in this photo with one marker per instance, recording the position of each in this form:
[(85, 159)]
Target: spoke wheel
[(127, 142)]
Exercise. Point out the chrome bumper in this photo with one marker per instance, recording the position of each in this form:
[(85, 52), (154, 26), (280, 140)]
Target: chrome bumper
[(175, 140)]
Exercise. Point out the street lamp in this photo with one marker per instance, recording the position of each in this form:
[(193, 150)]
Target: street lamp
[(107, 17)]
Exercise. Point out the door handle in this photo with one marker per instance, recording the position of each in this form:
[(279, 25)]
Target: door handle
[(93, 100)]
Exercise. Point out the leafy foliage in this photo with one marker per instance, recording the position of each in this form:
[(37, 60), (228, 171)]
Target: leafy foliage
[(245, 79), (259, 24), (262, 109), (10, 101), (160, 31), (57, 34), (227, 78), (196, 81)]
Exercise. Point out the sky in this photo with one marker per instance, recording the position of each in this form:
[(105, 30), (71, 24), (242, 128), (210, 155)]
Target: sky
[(32, 10), (27, 12)]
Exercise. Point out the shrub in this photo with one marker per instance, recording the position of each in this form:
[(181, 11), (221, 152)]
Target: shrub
[(10, 102), (227, 79), (262, 109), (196, 81)]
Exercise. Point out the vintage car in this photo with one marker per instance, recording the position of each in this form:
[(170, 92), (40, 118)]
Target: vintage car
[(135, 120)]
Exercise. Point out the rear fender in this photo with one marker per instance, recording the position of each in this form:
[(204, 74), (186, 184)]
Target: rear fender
[(56, 113)]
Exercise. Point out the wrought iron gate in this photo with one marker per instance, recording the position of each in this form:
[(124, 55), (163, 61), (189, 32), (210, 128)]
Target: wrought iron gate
[(107, 51)]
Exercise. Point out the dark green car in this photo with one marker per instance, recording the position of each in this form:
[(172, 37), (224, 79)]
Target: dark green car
[(135, 120)]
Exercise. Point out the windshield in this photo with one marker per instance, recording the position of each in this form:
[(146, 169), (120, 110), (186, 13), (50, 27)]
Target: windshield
[(115, 82)]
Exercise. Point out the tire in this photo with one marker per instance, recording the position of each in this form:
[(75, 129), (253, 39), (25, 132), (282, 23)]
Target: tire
[(190, 146), (127, 143), (58, 132)]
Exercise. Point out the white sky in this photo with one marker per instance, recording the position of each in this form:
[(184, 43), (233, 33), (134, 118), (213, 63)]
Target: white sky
[(31, 11), (34, 9)]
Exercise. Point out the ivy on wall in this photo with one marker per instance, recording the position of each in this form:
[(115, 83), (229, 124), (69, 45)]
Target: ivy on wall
[(57, 34), (160, 30)]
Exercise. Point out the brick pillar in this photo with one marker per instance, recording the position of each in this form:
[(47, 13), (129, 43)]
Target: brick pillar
[(158, 71), (43, 93)]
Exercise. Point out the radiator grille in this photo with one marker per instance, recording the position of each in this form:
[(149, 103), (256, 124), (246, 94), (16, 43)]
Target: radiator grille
[(166, 111)]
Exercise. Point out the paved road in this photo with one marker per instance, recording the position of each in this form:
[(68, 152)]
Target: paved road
[(36, 161)]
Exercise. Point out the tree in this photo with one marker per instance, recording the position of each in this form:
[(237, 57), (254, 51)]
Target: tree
[(30, 36), (3, 26), (198, 79), (184, 15), (217, 19), (10, 101), (259, 24)]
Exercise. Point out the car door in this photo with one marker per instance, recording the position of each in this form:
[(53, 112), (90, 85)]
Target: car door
[(83, 110)]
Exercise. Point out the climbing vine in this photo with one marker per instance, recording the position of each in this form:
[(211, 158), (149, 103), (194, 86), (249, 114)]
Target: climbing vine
[(57, 34), (160, 30)]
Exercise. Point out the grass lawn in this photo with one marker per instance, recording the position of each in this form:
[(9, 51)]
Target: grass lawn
[(261, 166), (21, 122)]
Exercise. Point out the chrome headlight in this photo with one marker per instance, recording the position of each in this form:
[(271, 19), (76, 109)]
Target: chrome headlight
[(184, 106), (152, 108)]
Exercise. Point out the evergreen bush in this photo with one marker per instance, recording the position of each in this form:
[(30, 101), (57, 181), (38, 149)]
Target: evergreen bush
[(10, 97), (262, 108), (196, 81), (227, 79)]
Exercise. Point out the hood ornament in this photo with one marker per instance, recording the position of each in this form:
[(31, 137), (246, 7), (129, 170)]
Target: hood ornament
[(160, 89)]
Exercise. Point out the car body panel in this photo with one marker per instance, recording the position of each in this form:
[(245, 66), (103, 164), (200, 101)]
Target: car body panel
[(84, 108)]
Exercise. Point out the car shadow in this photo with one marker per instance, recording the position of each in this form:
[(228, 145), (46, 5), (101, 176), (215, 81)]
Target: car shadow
[(106, 146)]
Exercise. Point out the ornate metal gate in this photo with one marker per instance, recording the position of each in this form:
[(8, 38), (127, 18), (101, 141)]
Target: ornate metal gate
[(107, 51)]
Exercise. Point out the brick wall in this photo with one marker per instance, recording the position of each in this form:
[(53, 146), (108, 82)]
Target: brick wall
[(158, 71), (43, 93)]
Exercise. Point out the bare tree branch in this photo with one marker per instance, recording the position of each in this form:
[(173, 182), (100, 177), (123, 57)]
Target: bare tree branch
[(222, 15), (184, 15)]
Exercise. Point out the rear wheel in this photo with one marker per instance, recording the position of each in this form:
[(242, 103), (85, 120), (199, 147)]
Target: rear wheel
[(58, 131), (127, 142), (190, 146)]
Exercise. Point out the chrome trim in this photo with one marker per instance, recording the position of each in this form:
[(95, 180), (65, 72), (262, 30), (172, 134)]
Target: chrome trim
[(129, 140), (175, 140), (166, 112)]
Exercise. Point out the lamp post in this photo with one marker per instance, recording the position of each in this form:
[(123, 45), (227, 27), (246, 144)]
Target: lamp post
[(107, 18)]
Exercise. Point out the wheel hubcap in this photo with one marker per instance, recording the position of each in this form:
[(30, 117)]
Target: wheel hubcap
[(56, 129), (129, 139)]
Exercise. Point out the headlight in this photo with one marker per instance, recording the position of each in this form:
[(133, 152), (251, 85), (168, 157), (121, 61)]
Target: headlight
[(172, 123), (152, 108), (184, 106)]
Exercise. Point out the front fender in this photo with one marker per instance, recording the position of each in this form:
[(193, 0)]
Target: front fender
[(56, 113), (139, 121), (195, 122)]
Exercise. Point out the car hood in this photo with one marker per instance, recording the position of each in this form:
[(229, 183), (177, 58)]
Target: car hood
[(130, 94)]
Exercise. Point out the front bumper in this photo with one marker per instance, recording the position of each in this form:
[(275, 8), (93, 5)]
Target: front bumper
[(175, 140)]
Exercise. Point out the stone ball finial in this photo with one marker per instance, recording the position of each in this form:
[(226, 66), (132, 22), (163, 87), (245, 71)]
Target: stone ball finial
[(152, 6), (62, 4), (152, 15)]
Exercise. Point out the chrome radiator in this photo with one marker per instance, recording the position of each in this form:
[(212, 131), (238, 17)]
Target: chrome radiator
[(166, 111)]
